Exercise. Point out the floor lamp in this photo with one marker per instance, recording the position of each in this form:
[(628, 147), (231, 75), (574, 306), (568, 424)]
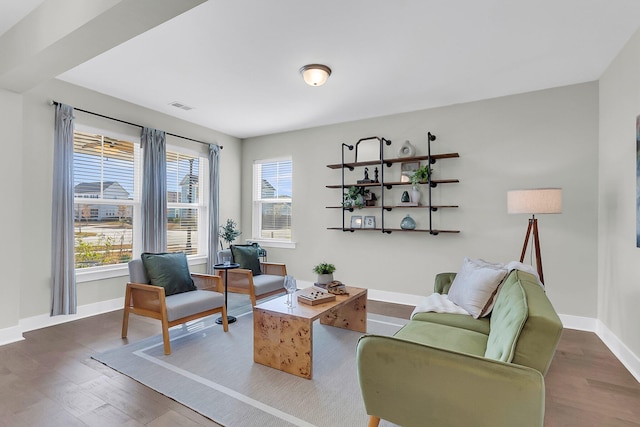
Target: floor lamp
[(534, 201)]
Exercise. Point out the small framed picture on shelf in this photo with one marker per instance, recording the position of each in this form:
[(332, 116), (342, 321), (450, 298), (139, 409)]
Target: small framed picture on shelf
[(407, 169), (356, 221), (369, 222)]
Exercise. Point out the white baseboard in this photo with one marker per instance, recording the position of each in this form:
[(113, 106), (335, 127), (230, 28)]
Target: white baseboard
[(44, 320), (394, 297), (9, 335), (619, 349), (578, 323)]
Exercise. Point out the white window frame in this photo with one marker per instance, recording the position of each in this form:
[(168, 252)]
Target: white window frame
[(257, 202), (89, 274), (201, 204)]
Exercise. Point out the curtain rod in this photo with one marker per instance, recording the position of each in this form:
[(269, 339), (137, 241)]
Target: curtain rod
[(134, 124)]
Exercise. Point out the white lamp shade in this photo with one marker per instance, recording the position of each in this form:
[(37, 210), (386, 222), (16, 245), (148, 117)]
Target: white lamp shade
[(315, 74), (535, 201)]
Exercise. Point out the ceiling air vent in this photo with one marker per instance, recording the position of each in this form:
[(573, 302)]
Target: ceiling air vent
[(180, 105)]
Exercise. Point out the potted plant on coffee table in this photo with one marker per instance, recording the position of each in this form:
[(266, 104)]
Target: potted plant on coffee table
[(325, 273)]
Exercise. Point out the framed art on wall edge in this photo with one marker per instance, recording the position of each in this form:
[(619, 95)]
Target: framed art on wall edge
[(369, 222)]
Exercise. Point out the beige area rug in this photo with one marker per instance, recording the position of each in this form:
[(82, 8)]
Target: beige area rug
[(213, 373)]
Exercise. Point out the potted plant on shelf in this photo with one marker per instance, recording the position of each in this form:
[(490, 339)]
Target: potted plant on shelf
[(325, 273), (421, 175), (229, 232), (355, 197)]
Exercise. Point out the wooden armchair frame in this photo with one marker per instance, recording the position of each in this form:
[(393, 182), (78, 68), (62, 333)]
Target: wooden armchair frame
[(150, 301), (241, 280)]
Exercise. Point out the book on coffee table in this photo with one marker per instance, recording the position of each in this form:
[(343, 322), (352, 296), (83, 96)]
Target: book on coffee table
[(314, 296)]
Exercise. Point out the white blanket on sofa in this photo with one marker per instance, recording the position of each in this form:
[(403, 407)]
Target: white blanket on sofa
[(438, 303)]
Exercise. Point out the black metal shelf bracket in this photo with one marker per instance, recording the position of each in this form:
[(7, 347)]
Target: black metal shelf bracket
[(430, 137), (350, 147)]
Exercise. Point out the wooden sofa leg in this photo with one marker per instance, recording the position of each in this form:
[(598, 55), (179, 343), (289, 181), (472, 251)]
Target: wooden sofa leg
[(373, 421), (165, 337)]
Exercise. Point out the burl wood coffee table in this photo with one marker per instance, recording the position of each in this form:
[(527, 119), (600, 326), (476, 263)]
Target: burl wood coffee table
[(283, 337)]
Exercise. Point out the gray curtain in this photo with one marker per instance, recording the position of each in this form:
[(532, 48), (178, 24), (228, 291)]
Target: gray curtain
[(154, 190), (214, 205), (63, 275)]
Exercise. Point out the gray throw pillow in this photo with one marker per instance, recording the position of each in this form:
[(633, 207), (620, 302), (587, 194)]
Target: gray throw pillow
[(168, 270), (247, 257)]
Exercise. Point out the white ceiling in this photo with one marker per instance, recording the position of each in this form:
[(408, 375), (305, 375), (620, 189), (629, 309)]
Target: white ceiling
[(236, 62), (12, 11)]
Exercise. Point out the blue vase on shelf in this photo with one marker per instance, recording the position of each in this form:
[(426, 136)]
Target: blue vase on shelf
[(408, 223)]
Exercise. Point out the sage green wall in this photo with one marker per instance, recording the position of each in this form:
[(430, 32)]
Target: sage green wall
[(619, 275), (10, 173), (29, 267), (540, 139)]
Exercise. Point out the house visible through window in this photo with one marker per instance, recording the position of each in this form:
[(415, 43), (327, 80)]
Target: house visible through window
[(105, 198), (107, 206), (272, 196), (185, 204)]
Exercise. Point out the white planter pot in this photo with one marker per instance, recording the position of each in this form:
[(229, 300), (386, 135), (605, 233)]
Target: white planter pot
[(323, 279)]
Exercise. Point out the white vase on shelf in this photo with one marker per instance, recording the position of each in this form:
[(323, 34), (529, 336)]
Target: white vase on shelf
[(415, 195)]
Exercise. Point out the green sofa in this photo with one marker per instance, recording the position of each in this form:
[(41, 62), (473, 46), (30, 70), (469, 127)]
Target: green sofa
[(453, 370)]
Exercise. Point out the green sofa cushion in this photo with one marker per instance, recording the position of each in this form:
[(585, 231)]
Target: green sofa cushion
[(542, 330), (444, 337), (168, 270), (247, 257), (463, 321), (509, 315)]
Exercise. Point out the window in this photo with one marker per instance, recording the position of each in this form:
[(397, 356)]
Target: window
[(272, 195), (186, 209), (105, 198), (107, 208)]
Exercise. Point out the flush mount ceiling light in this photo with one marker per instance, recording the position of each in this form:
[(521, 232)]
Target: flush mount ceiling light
[(315, 74)]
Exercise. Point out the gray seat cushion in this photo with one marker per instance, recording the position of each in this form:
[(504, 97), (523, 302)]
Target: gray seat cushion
[(187, 303), (265, 283)]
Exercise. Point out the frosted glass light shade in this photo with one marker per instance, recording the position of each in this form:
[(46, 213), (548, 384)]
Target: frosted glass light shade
[(315, 74), (535, 201)]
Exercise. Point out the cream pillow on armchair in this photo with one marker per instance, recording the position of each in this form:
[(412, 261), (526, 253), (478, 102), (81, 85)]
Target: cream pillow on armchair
[(475, 286)]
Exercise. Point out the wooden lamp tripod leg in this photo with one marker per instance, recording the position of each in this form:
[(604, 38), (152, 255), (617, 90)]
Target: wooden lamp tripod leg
[(526, 240), (536, 242), (533, 226)]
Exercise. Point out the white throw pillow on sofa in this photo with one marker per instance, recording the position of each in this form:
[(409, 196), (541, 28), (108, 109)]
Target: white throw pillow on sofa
[(476, 284)]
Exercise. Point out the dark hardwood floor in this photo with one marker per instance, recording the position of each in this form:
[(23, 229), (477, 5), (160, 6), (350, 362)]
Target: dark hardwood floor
[(49, 379)]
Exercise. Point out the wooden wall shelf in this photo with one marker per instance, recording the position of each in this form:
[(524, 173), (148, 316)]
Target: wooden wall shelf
[(385, 185)]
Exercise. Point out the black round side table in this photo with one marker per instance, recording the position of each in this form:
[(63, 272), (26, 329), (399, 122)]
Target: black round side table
[(230, 319)]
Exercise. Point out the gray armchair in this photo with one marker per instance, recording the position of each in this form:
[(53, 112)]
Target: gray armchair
[(269, 282), (149, 300)]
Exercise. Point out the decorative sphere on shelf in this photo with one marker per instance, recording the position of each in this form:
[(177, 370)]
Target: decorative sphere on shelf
[(408, 223)]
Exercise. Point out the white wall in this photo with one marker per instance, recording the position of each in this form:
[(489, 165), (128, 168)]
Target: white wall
[(619, 269), (540, 139), (26, 171), (10, 175)]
